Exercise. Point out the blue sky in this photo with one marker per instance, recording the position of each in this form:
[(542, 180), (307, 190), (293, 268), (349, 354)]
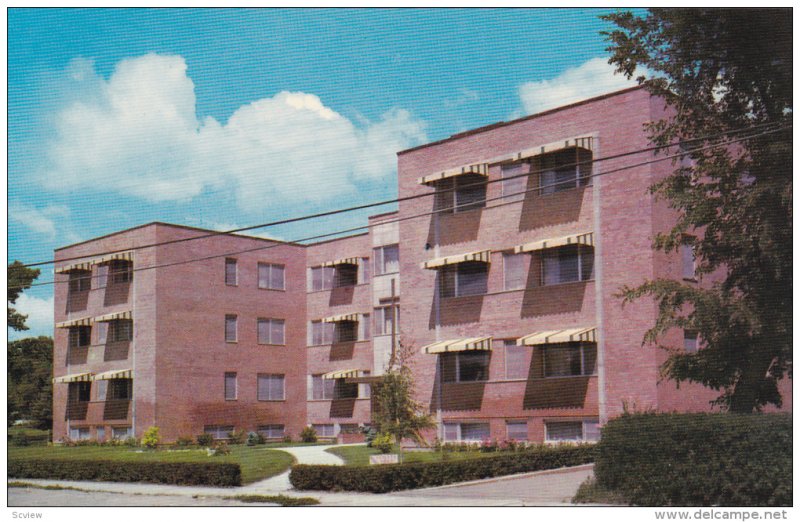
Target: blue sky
[(226, 118)]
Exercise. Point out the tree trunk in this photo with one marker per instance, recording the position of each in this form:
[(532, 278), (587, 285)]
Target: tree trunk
[(746, 396)]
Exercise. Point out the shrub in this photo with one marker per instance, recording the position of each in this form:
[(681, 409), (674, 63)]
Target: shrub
[(130, 441), (383, 442), (183, 442), (151, 438), (221, 449), (698, 459), (395, 477), (489, 446), (369, 434), (288, 438), (236, 437), (254, 438), (205, 440), (20, 439), (309, 434), (182, 473)]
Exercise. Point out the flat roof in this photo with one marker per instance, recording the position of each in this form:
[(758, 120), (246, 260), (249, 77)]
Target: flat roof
[(524, 118)]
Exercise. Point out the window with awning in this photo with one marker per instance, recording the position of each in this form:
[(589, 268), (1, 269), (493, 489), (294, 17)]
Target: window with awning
[(582, 238), (341, 318), (459, 345), (75, 377), (83, 266), (483, 256), (127, 315), (476, 169), (113, 374), (569, 335), (84, 321)]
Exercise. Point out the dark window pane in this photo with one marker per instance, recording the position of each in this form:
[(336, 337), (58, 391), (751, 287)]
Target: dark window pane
[(472, 278), (470, 192), (473, 366), (447, 277)]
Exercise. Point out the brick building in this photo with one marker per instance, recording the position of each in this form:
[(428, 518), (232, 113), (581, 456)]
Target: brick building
[(508, 296)]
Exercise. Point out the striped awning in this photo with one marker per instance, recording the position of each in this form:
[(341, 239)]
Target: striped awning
[(484, 256), (114, 374), (82, 266), (83, 321), (75, 377), (459, 345), (570, 335), (583, 142), (118, 256), (481, 169), (340, 318), (343, 261), (343, 374), (586, 238), (116, 316)]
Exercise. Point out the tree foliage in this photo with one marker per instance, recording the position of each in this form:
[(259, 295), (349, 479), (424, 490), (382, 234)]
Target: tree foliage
[(30, 390), (722, 72), (397, 412), (19, 279)]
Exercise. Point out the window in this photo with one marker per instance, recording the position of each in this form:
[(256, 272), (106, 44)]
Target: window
[(464, 279), (101, 280), (102, 332), (517, 430), (324, 430), (80, 433), (514, 271), (230, 386), (121, 271), (387, 259), (346, 331), (101, 433), (690, 341), (323, 389), (572, 431), (230, 272), (465, 366), (460, 193), (567, 264), (80, 280), (80, 391), (120, 331), (121, 432), (466, 431), (102, 387), (688, 260), (569, 359), (271, 331), (516, 360), (271, 387), (271, 277), (120, 390), (230, 328), (385, 319), (560, 170), (321, 333), (218, 432), (345, 275), (345, 390), (322, 278), (272, 431), (80, 336), (514, 189)]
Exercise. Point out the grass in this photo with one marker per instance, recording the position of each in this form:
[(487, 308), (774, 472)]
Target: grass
[(256, 462), (590, 492), (283, 500), (359, 455)]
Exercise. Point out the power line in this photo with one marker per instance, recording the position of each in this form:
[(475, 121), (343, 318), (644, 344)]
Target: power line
[(402, 199), (443, 210)]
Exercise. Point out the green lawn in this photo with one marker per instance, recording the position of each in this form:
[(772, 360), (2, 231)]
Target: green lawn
[(256, 462), (359, 455)]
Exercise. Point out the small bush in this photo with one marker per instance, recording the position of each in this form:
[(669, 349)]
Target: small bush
[(254, 438), (288, 439), (369, 434), (383, 442), (183, 442), (205, 440), (20, 439), (182, 473), (489, 446), (130, 441), (698, 459), (221, 449), (151, 438), (309, 434), (236, 437), (395, 477)]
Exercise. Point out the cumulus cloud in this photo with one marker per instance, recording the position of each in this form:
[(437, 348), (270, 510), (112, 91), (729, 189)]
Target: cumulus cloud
[(139, 134), (592, 78), (40, 316), (43, 221)]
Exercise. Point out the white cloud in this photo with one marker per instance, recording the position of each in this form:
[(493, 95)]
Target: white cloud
[(40, 316), (139, 134), (44, 221), (592, 78)]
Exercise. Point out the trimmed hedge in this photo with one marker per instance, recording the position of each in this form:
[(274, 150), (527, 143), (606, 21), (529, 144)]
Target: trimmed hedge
[(183, 473), (698, 459), (395, 477)]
